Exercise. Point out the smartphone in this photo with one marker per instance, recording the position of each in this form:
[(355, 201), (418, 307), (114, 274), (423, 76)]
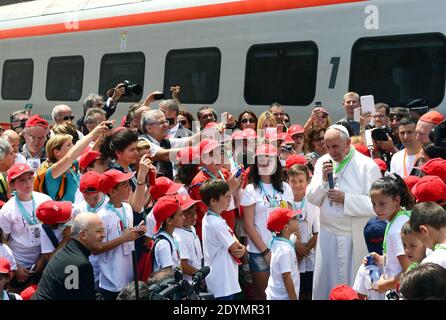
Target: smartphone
[(239, 172), (158, 96), (318, 104)]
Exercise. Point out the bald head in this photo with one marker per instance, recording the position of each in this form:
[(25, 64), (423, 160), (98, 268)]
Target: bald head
[(60, 112), (13, 138), (89, 230), (337, 143)]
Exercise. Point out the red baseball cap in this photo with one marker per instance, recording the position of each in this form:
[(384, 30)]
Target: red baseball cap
[(17, 170), (186, 201), (90, 182), (28, 292), (110, 178), (238, 135), (164, 208), (381, 164), (53, 212), (207, 145), (164, 186), (279, 218), (294, 159), (266, 150), (189, 155), (295, 129), (343, 292), (429, 188), (432, 117), (288, 139), (410, 181), (250, 133), (362, 148), (5, 266), (435, 167), (87, 158), (36, 121)]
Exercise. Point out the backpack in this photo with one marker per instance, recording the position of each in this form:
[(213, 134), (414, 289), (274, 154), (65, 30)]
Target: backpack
[(147, 260), (39, 180)]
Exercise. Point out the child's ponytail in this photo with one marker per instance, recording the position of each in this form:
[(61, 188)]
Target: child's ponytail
[(392, 185)]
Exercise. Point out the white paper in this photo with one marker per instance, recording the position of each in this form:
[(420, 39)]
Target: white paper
[(368, 104), (356, 115)]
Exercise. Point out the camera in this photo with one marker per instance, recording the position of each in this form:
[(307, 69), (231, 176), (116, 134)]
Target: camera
[(380, 134), (131, 89)]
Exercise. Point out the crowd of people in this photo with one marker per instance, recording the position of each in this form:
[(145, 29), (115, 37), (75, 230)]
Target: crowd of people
[(277, 209)]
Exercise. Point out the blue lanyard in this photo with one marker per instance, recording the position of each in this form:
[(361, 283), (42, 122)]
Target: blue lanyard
[(32, 220), (123, 218), (212, 175), (98, 205), (302, 209), (175, 242), (274, 202), (288, 241)]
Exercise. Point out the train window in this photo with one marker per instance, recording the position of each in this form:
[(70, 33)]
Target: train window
[(64, 78), (197, 71), (117, 67), (282, 72), (17, 79), (397, 69)]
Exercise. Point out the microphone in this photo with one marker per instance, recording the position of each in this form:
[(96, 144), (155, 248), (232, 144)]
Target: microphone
[(330, 179)]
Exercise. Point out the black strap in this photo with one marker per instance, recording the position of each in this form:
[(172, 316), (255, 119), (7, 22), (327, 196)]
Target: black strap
[(157, 239), (11, 296), (50, 233)]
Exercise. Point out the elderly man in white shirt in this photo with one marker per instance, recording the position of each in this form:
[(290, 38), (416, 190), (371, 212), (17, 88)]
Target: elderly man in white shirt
[(345, 208)]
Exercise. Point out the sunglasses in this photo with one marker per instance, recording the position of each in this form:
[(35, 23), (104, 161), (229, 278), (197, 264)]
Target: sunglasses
[(66, 118), (250, 120), (183, 122)]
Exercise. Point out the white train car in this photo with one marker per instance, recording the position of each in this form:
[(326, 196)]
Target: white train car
[(233, 55)]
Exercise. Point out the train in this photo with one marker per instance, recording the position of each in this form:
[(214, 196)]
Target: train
[(231, 55)]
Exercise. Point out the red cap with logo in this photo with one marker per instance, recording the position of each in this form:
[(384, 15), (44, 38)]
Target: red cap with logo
[(54, 212), (295, 129), (17, 170), (435, 167), (429, 188), (266, 150), (87, 158), (111, 178), (432, 117), (381, 164), (5, 266), (189, 155), (164, 208), (186, 201), (294, 159), (343, 292), (164, 186), (90, 182), (36, 121), (279, 218)]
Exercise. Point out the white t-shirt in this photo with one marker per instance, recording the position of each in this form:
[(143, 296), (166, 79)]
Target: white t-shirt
[(395, 248), (217, 237), (363, 285), (116, 269), (396, 164), (255, 196), (437, 256), (6, 252), (6, 296), (47, 245), (164, 255), (190, 248), (12, 223), (308, 225), (19, 159), (283, 260)]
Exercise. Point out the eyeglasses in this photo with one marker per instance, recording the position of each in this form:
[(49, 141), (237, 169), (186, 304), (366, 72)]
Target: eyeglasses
[(250, 120), (66, 118)]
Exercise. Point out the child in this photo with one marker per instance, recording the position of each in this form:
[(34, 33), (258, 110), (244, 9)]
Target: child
[(298, 179), (191, 254), (389, 195), (55, 233), (221, 248), (91, 161), (94, 199), (21, 227), (115, 255), (428, 222), (284, 280), (413, 247), (168, 216), (5, 276)]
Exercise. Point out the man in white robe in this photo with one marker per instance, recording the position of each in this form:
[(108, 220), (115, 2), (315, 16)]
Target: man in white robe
[(344, 211)]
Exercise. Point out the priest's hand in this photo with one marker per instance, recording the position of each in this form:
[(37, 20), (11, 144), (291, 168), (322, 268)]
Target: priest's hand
[(336, 195), (327, 167)]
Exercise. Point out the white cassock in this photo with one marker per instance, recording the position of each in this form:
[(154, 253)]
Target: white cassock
[(341, 245)]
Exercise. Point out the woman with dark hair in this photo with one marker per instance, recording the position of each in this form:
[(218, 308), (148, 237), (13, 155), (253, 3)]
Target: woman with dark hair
[(247, 119), (314, 146), (185, 118), (265, 192)]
